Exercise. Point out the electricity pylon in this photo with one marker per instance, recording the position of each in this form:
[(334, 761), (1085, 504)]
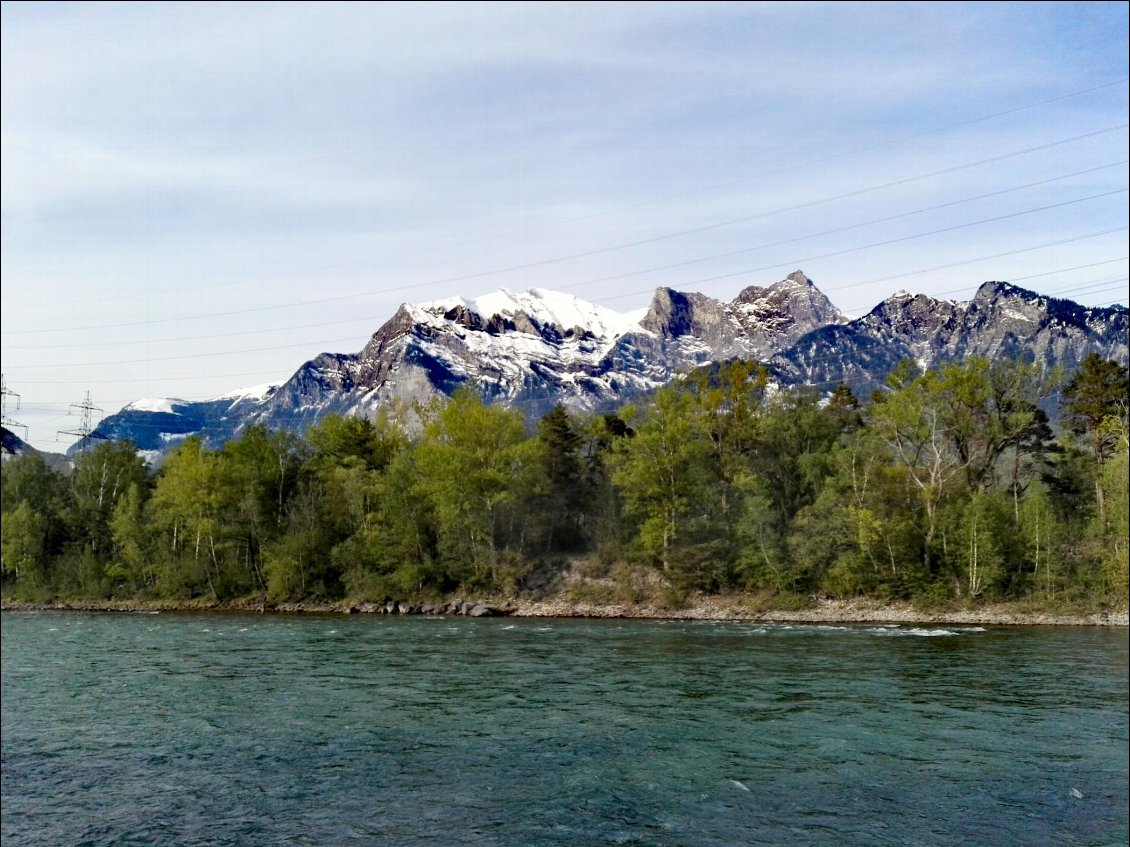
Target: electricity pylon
[(4, 395), (85, 431)]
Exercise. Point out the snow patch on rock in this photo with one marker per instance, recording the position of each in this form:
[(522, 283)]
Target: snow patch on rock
[(154, 404)]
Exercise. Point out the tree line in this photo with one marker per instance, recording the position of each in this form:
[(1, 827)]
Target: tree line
[(948, 484)]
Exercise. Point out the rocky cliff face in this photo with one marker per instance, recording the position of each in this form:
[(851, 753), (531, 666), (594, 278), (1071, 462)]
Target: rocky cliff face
[(538, 348), (758, 323), (1001, 321)]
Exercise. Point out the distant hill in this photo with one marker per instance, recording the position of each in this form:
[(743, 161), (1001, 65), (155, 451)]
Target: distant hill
[(13, 446)]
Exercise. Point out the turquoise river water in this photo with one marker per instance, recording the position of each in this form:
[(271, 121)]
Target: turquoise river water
[(222, 729)]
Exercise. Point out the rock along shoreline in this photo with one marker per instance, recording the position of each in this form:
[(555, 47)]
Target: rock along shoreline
[(703, 608)]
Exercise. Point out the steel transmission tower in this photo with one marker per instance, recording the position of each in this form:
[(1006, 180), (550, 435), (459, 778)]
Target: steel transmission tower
[(85, 431), (4, 395)]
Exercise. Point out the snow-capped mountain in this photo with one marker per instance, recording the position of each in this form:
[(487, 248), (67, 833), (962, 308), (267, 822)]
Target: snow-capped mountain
[(537, 348), (155, 425)]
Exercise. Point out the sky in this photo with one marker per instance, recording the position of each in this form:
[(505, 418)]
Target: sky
[(201, 197)]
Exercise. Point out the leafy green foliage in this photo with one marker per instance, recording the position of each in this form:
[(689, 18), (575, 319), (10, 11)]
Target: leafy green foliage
[(947, 485)]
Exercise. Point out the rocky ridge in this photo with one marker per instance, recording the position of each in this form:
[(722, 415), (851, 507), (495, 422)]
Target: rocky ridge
[(538, 348)]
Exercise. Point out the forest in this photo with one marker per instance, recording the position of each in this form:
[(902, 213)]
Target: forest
[(949, 485)]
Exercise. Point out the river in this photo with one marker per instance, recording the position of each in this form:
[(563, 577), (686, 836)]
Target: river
[(226, 729)]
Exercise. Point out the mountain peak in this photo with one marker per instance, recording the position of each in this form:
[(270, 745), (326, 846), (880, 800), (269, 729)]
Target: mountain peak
[(998, 289), (798, 277), (671, 313), (538, 306), (795, 284), (794, 300), (540, 347)]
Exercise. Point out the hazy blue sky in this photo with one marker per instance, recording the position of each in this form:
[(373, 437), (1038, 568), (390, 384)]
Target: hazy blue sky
[(201, 197)]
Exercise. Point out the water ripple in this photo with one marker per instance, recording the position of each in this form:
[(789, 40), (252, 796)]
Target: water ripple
[(251, 730)]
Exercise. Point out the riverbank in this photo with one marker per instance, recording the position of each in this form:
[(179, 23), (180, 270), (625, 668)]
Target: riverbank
[(835, 611), (706, 608)]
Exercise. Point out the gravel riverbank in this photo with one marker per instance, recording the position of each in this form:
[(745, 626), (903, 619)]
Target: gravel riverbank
[(829, 611), (732, 608)]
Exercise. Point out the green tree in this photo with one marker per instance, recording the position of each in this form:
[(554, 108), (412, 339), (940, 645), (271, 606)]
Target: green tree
[(1040, 530), (977, 542), (604, 526), (561, 486), (395, 556), (860, 534), (101, 477), (1024, 438), (1095, 410), (663, 475), (28, 480), (728, 401), (991, 412), (1115, 531), (186, 508), (256, 475), (793, 446), (131, 563), (23, 538), (376, 441), (299, 564), (468, 456), (910, 419)]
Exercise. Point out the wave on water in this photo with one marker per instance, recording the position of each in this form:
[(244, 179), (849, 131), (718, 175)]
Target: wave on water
[(921, 632)]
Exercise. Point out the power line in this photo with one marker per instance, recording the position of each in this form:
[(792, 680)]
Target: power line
[(98, 364), (261, 374), (1065, 270), (249, 374), (782, 169), (837, 230), (590, 253), (896, 276), (984, 258), (786, 168), (793, 262), (698, 260), (368, 320), (1012, 279), (890, 241), (790, 263)]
